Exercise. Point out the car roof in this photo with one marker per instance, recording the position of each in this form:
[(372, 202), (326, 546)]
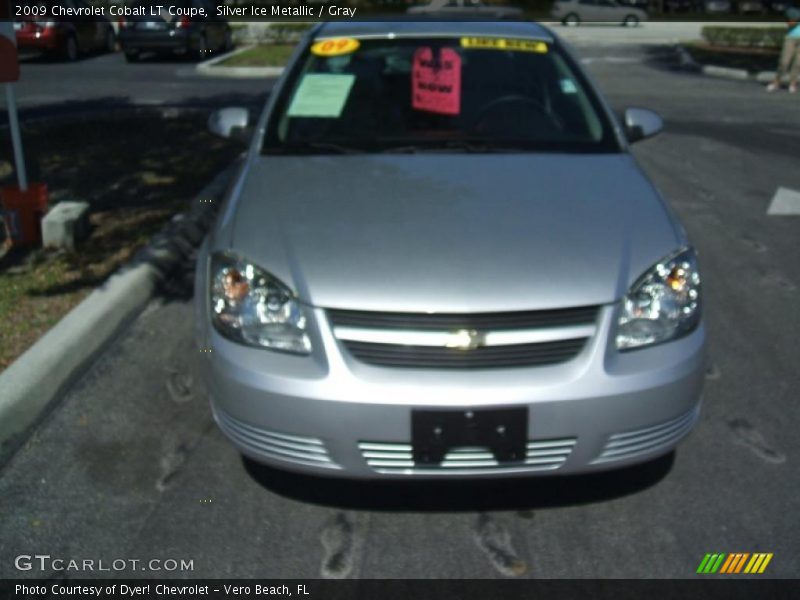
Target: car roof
[(432, 28)]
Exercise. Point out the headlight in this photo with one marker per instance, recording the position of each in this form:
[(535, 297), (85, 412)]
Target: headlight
[(663, 304), (250, 306)]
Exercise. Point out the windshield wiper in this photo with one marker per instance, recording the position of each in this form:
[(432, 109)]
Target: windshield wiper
[(334, 147), (471, 146), (326, 147)]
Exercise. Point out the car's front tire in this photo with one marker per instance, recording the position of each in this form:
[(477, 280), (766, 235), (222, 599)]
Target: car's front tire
[(631, 21), (571, 20), (201, 53), (227, 45), (71, 50), (111, 41)]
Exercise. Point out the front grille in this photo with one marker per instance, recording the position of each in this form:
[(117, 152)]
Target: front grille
[(649, 439), (278, 446), (486, 357), (492, 340), (392, 458), (479, 321)]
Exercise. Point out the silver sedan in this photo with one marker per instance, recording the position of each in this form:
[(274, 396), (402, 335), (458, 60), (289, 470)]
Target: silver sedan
[(440, 259), (575, 12)]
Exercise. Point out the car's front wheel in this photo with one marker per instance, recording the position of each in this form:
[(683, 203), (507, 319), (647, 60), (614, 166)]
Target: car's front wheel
[(111, 41), (227, 45), (202, 48), (571, 20), (631, 21), (71, 50)]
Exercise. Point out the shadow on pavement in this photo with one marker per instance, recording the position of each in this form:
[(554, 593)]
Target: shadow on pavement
[(666, 58), (122, 105), (135, 169), (435, 496), (168, 58), (43, 58)]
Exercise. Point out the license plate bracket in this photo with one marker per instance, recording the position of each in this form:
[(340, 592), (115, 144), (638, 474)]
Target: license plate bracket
[(504, 431)]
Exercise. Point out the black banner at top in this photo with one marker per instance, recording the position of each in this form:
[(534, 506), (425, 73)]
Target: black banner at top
[(571, 12)]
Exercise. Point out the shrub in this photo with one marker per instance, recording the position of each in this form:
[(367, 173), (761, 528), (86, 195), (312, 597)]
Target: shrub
[(283, 33), (744, 37)]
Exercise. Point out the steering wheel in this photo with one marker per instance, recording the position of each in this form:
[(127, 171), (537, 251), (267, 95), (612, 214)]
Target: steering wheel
[(525, 101)]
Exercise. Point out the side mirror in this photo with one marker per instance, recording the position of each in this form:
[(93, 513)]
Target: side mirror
[(641, 123), (230, 123)]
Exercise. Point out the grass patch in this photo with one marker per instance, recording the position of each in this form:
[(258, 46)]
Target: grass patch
[(264, 55), (744, 37), (134, 171), (753, 60), (693, 16)]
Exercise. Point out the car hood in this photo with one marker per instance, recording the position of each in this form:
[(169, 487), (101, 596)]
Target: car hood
[(451, 233)]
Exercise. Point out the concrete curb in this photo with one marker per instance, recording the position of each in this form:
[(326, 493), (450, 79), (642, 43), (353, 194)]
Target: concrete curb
[(740, 74), (201, 66), (36, 377), (33, 382), (211, 68), (725, 72)]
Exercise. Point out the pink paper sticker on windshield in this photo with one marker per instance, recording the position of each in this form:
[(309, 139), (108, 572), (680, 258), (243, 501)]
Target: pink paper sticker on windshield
[(436, 84)]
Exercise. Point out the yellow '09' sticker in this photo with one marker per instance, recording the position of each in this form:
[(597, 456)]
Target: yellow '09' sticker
[(479, 43), (335, 47)]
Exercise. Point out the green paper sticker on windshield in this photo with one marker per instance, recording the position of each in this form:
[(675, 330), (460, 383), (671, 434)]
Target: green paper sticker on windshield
[(321, 95), (568, 86)]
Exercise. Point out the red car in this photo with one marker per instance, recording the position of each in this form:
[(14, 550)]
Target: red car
[(66, 37)]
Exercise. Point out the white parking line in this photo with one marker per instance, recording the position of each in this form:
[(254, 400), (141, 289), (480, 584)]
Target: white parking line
[(784, 202)]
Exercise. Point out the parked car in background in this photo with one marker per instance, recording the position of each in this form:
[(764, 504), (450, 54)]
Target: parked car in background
[(679, 6), (716, 6), (574, 12), (440, 259), (744, 7), (169, 33), (64, 37), (455, 8), (640, 4), (778, 6)]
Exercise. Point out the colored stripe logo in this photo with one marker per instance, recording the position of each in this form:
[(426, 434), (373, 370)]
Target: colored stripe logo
[(739, 562)]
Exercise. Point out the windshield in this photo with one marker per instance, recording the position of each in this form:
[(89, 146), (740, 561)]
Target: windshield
[(406, 95)]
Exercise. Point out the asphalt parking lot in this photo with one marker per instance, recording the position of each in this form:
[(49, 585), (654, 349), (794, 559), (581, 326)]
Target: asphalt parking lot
[(130, 464), (108, 82)]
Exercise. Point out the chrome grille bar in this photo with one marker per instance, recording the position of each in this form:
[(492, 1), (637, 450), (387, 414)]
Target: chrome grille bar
[(452, 339)]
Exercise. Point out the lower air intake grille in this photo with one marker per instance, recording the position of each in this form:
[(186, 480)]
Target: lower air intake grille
[(542, 455), (486, 357), (643, 441), (278, 446)]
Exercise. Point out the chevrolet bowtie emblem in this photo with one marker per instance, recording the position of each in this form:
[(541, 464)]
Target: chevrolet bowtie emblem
[(465, 339)]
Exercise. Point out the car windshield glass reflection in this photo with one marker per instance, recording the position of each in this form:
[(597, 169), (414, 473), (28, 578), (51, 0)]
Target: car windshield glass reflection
[(461, 94)]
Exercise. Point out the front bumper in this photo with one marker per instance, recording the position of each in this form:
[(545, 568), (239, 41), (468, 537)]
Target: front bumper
[(330, 414)]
